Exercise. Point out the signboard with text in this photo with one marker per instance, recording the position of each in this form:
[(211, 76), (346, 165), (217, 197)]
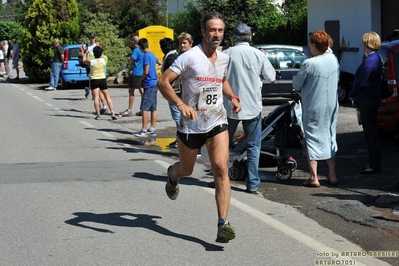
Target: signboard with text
[(154, 34)]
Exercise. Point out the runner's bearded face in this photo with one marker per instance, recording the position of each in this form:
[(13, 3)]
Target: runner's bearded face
[(213, 33)]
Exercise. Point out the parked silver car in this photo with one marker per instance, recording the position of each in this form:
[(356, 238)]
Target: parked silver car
[(286, 60)]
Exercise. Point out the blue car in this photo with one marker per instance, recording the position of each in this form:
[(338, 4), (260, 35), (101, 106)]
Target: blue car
[(71, 72)]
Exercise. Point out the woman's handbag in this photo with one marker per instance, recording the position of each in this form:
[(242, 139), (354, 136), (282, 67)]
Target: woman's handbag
[(386, 90)]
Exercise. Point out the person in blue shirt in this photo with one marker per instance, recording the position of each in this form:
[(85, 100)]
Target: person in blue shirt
[(135, 60), (366, 92), (148, 82)]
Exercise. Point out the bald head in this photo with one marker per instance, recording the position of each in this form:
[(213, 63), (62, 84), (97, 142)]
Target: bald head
[(56, 42), (135, 40)]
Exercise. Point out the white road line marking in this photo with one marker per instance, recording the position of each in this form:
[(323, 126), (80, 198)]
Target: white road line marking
[(87, 124), (29, 93), (48, 104), (37, 98), (108, 135)]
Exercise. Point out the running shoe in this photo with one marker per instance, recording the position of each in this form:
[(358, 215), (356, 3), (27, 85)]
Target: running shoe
[(151, 131), (171, 190), (142, 133), (97, 117), (127, 112), (104, 111), (226, 232), (87, 92), (173, 144), (113, 117), (139, 113)]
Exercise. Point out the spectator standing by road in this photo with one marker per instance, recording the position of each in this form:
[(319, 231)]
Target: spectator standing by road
[(185, 44), (15, 58), (2, 58), (135, 60), (5, 51), (203, 117), (317, 79), (366, 92), (246, 66), (56, 65), (98, 80), (168, 47), (149, 97), (9, 59)]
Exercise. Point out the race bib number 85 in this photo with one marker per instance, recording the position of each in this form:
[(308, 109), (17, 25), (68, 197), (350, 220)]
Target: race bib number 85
[(208, 99)]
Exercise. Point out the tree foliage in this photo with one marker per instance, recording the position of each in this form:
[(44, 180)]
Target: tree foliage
[(10, 30), (187, 21), (128, 15), (286, 24), (242, 11), (296, 12), (107, 35), (14, 10), (45, 21)]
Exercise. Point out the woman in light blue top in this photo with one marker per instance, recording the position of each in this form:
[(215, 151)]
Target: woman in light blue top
[(317, 80)]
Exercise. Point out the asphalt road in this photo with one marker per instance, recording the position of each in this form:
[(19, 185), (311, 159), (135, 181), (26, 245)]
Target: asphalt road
[(76, 191)]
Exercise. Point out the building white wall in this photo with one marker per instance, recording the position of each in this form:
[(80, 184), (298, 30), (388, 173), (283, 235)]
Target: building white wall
[(356, 17)]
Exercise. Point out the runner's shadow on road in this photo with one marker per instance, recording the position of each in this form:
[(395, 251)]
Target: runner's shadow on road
[(134, 221)]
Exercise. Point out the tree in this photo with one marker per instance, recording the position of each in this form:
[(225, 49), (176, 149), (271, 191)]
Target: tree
[(286, 24), (10, 30), (46, 20), (187, 21), (128, 15), (242, 11), (14, 10), (296, 12), (107, 34)]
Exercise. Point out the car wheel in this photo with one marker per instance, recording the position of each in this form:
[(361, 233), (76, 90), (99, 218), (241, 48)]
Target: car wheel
[(343, 91), (64, 84)]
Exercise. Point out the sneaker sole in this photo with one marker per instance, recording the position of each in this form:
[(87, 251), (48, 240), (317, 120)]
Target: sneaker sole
[(174, 196), (226, 235)]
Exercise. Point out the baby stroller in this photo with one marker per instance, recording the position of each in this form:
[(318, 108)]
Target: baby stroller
[(280, 131)]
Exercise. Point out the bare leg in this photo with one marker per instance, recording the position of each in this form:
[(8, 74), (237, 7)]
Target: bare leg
[(96, 97), (331, 170), (131, 99), (154, 118), (218, 149), (313, 171), (144, 119), (108, 99), (187, 161), (102, 98)]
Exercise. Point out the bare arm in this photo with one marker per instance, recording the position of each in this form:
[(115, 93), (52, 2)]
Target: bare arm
[(145, 73), (167, 91)]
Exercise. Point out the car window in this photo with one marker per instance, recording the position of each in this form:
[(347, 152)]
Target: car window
[(73, 53), (290, 59), (271, 55)]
